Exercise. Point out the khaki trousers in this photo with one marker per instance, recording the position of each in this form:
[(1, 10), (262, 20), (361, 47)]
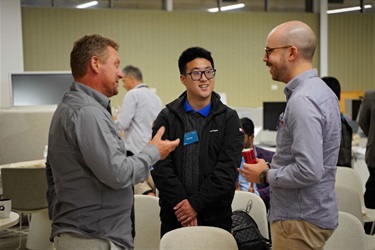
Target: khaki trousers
[(298, 235), (66, 241)]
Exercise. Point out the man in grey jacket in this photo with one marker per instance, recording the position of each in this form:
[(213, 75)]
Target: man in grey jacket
[(89, 175)]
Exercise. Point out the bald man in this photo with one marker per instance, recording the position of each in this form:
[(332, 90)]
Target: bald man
[(303, 213)]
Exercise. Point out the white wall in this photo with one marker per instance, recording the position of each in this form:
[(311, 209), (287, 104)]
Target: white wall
[(11, 48)]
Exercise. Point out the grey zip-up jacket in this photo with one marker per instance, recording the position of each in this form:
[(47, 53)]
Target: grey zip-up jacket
[(90, 178)]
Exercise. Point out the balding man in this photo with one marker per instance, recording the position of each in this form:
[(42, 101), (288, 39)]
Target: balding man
[(303, 213)]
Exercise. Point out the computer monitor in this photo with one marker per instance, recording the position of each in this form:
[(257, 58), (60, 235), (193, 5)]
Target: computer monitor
[(271, 113), (356, 104), (39, 88), (352, 107)]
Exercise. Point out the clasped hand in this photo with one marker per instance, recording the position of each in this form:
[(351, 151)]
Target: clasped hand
[(186, 214)]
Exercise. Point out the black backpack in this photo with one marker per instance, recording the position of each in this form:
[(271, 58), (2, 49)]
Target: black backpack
[(246, 232)]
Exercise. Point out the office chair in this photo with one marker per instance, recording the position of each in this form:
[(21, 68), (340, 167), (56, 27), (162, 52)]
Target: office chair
[(348, 201), (147, 222), (349, 177), (198, 238), (258, 211), (349, 234), (27, 188)]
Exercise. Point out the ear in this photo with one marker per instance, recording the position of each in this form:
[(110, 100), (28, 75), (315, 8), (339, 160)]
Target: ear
[(251, 139), (293, 52), (132, 79), (94, 63), (182, 79)]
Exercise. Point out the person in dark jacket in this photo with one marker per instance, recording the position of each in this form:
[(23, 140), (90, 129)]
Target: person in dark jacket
[(345, 153), (367, 123), (196, 183)]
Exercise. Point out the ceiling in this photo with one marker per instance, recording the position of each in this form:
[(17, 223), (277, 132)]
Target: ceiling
[(203, 5)]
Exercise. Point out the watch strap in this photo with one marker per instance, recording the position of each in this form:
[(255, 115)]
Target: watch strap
[(263, 176)]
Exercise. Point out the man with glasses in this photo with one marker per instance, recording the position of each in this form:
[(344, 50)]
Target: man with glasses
[(197, 182), (303, 208)]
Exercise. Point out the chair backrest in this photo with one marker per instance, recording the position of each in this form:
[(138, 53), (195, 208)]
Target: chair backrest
[(349, 177), (348, 201), (349, 234), (147, 222), (198, 238), (26, 187), (258, 211)]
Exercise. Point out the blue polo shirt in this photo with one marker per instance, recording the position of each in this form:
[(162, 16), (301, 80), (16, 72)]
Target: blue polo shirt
[(204, 111)]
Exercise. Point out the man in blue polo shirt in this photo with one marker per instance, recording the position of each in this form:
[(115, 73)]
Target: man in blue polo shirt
[(196, 184)]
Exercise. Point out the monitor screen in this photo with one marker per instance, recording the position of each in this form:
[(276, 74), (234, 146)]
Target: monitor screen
[(356, 104), (34, 89), (271, 113)]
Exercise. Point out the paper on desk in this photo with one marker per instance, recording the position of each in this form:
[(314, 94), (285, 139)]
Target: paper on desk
[(361, 150)]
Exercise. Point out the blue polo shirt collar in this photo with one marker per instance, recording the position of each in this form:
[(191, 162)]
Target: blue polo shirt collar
[(204, 111)]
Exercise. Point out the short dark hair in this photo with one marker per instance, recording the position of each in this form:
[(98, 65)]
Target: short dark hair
[(334, 84), (192, 53), (134, 71), (247, 125)]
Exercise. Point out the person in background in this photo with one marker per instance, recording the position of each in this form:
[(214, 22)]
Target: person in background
[(345, 153), (139, 109), (366, 121), (303, 207), (90, 178), (262, 190), (196, 182)]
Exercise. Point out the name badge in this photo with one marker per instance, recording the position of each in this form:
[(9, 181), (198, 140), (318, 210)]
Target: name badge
[(190, 137)]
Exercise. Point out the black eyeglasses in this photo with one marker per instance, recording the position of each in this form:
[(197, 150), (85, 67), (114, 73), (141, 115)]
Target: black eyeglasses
[(197, 75), (270, 50)]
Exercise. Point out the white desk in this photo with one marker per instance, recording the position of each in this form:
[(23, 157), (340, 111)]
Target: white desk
[(9, 222)]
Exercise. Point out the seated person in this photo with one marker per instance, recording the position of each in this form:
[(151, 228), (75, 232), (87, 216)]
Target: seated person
[(146, 187), (260, 189)]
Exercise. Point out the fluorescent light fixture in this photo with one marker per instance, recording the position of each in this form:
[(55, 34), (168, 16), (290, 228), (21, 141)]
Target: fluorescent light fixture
[(228, 7), (355, 8), (87, 5)]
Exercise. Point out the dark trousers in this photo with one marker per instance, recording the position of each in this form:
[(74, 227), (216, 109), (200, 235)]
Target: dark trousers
[(370, 195), (370, 189), (132, 217)]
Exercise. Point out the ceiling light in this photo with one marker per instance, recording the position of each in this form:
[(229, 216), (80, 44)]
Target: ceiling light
[(228, 7), (87, 5), (367, 6)]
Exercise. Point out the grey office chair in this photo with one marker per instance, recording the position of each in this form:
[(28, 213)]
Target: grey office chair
[(27, 188)]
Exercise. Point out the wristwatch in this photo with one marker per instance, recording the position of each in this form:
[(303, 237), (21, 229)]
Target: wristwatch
[(263, 174)]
